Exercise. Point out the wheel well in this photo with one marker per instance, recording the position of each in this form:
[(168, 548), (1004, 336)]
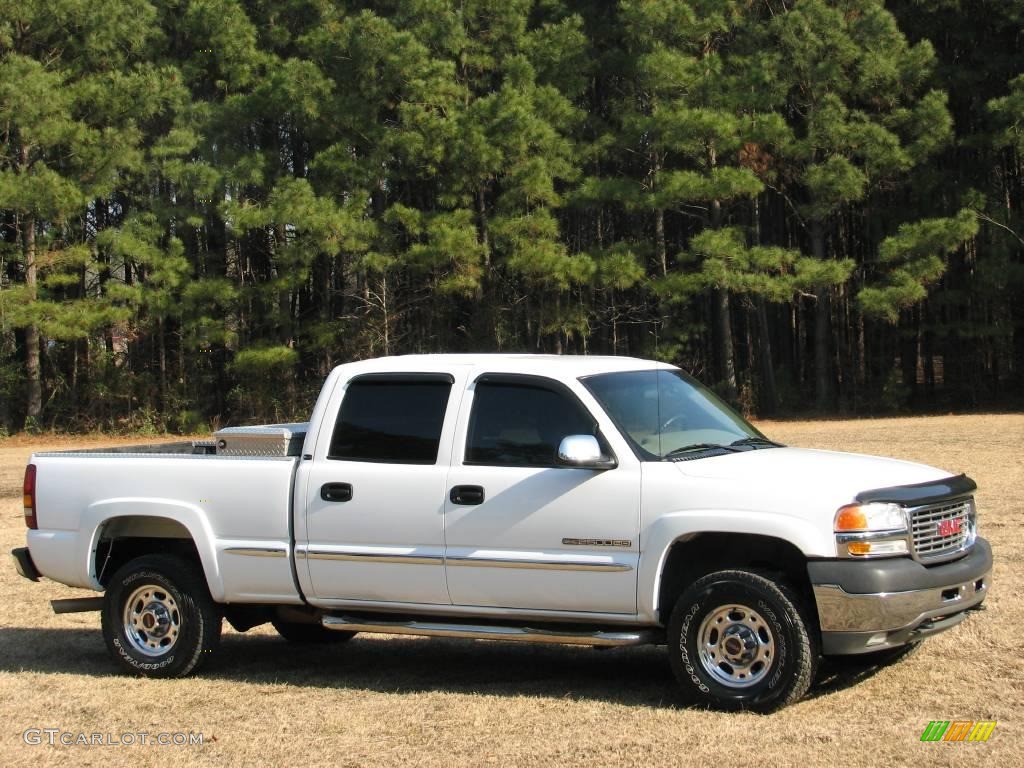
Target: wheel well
[(702, 553), (124, 538)]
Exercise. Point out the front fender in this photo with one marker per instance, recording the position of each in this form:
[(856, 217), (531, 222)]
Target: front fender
[(191, 517), (657, 540)]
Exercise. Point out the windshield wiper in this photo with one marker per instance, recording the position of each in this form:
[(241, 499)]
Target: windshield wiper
[(701, 447), (757, 441), (734, 447)]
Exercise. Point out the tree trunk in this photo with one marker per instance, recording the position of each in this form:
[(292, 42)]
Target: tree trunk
[(908, 330), (386, 311), (660, 243), (723, 334), (483, 325), (822, 326), (34, 404), (928, 352), (768, 400), (483, 235), (162, 350), (722, 316), (615, 322), (862, 356)]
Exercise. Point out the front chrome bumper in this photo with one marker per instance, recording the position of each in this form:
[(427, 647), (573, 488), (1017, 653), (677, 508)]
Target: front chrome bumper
[(910, 602)]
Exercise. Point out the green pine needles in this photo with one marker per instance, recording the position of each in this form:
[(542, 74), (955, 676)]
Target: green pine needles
[(206, 204)]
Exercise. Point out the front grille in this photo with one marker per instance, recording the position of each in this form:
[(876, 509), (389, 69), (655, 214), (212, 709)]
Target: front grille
[(939, 531)]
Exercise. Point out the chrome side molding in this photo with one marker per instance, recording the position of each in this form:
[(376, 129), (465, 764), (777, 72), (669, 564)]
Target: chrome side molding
[(541, 565), (257, 551), (491, 632), (459, 561), (375, 557)]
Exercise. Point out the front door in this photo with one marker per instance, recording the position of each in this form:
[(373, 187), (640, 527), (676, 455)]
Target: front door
[(375, 494), (522, 531)]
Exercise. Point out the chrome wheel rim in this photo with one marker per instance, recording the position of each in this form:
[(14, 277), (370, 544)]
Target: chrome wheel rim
[(152, 621), (735, 646)]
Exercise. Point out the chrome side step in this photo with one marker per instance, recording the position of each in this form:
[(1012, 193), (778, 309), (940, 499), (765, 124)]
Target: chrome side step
[(491, 632)]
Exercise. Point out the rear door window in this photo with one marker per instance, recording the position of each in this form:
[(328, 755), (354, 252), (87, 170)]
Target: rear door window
[(394, 419)]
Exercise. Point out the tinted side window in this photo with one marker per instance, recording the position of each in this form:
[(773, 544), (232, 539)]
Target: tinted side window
[(521, 424), (390, 421)]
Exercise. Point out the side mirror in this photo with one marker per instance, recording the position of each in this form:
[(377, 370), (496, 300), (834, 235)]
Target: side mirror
[(583, 451)]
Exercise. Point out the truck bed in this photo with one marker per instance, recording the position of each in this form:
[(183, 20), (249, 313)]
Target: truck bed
[(234, 507)]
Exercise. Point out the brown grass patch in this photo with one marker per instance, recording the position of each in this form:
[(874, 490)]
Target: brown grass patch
[(387, 701)]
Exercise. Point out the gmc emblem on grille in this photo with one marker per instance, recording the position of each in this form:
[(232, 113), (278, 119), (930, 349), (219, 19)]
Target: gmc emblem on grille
[(948, 527)]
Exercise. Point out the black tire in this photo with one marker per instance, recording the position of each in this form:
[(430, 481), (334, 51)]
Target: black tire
[(771, 634), (298, 632), (178, 624)]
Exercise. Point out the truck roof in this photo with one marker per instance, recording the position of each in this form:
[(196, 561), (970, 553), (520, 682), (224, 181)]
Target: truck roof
[(551, 365)]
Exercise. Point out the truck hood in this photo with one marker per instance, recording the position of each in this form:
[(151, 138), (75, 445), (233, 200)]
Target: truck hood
[(805, 472)]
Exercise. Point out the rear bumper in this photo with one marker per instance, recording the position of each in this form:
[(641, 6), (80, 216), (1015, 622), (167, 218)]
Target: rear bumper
[(24, 565), (872, 605)]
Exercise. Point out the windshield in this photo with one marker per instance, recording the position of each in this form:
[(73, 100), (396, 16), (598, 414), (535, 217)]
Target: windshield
[(663, 411)]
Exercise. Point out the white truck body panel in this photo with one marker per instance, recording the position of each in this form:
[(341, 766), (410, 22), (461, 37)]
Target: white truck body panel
[(226, 504), (786, 493), (389, 539), (401, 542), (529, 512)]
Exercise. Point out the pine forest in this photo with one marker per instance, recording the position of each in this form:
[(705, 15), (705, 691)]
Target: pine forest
[(205, 205)]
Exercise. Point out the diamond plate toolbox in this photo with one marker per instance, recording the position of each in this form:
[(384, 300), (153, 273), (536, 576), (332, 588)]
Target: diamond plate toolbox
[(262, 440)]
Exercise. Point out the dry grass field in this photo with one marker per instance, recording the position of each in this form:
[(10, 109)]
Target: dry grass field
[(389, 701)]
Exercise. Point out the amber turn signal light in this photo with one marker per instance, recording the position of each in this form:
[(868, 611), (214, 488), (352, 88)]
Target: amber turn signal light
[(851, 518)]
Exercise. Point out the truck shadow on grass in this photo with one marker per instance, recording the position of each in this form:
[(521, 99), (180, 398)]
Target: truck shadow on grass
[(629, 676)]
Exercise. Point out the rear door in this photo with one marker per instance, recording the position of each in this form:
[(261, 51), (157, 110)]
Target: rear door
[(374, 492)]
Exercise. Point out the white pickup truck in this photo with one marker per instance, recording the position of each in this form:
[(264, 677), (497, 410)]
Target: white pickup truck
[(598, 501)]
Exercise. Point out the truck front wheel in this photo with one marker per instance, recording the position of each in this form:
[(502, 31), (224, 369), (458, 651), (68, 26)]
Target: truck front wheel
[(738, 640), (158, 617)]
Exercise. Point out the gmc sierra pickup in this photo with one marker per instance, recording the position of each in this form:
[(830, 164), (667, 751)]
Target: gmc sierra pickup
[(599, 501)]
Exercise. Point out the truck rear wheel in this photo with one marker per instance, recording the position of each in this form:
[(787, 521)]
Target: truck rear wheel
[(158, 617), (738, 640)]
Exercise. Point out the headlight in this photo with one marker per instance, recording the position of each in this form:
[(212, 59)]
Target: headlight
[(871, 517), (871, 530)]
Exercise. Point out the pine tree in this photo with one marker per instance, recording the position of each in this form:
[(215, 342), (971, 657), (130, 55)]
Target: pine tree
[(75, 92), (861, 114), (971, 324)]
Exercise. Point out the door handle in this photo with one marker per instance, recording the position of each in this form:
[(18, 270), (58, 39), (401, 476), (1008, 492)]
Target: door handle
[(467, 494), (336, 492)]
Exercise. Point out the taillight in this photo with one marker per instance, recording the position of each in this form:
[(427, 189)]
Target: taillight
[(30, 496)]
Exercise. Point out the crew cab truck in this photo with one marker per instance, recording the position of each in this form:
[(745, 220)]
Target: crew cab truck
[(599, 501)]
